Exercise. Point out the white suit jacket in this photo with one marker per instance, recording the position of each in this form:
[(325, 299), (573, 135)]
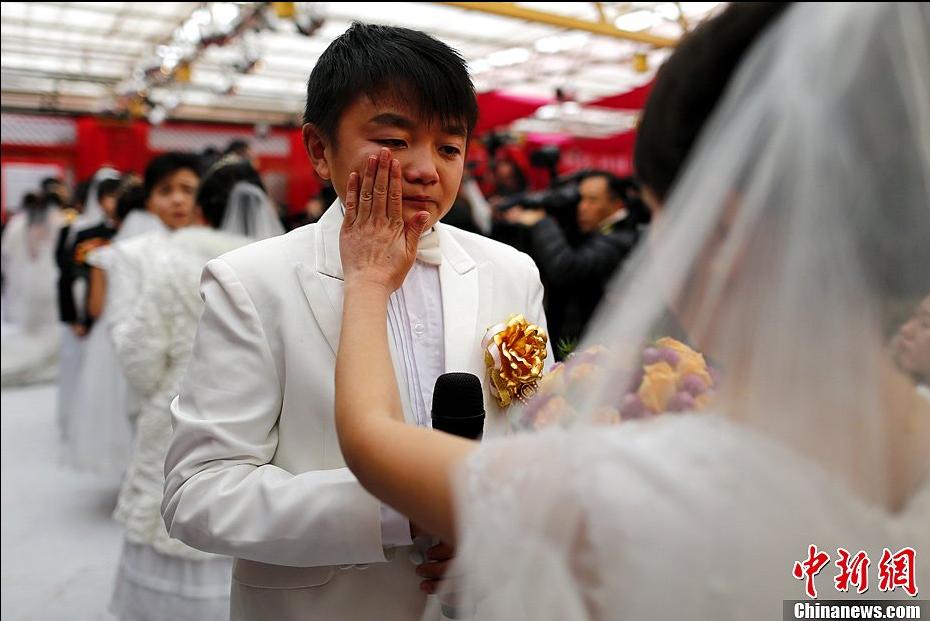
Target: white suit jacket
[(254, 470)]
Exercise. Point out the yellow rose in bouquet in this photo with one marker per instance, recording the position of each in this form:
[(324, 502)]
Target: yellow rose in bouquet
[(672, 378)]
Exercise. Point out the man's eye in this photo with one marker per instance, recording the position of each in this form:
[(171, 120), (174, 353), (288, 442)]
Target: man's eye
[(393, 143), (450, 150)]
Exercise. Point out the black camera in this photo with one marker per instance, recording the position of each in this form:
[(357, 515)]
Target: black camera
[(562, 194), (554, 200)]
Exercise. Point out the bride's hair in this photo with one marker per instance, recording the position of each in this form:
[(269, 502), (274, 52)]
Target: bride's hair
[(689, 85)]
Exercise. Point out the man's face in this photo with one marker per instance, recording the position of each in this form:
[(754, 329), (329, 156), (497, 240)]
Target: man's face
[(596, 203), (432, 157), (172, 198), (108, 205)]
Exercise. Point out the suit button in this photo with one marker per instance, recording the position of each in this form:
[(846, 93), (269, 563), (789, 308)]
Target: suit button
[(419, 329)]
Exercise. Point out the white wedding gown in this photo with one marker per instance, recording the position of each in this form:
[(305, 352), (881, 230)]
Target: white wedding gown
[(160, 577), (99, 435), (31, 335), (800, 219), (684, 517)]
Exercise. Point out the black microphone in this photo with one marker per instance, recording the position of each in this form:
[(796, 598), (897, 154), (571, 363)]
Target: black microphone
[(458, 408), (458, 405)]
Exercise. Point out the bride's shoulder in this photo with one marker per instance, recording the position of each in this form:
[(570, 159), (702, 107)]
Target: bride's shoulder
[(681, 461), (697, 452), (692, 460), (667, 442), (572, 461), (659, 440)]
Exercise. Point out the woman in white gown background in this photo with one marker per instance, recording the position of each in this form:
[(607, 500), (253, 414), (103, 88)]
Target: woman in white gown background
[(31, 336), (99, 435), (802, 222), (72, 345), (161, 578)]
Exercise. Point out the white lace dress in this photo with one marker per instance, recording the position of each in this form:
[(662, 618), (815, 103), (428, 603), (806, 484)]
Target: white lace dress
[(160, 577), (684, 517)]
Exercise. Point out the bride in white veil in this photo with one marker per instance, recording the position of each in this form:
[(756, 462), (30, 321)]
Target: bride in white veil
[(793, 247)]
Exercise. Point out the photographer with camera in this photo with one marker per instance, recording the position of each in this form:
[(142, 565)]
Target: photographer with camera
[(575, 276)]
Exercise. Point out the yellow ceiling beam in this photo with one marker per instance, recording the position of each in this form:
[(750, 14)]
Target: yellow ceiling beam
[(512, 10), (682, 20)]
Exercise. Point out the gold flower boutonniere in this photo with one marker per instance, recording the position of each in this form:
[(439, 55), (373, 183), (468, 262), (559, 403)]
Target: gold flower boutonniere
[(515, 352)]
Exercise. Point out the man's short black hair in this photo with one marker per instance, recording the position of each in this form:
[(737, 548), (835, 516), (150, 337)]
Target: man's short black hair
[(616, 187), (167, 164), (237, 146), (388, 61), (689, 85)]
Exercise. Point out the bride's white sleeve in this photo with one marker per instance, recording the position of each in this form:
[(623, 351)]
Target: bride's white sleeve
[(523, 546)]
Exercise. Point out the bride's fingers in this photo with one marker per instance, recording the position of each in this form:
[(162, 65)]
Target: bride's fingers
[(380, 203), (395, 209), (414, 229), (351, 199), (365, 195), (440, 552), (433, 571)]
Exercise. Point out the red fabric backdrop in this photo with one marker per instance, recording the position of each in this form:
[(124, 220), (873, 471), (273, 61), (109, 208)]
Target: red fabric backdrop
[(125, 145)]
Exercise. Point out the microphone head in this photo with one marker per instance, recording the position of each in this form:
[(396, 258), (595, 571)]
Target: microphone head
[(458, 405)]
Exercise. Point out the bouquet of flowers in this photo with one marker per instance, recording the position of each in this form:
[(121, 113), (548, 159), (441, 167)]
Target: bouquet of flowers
[(671, 377)]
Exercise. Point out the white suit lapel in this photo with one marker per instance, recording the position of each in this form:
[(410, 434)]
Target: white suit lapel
[(322, 285), (466, 287), (322, 282)]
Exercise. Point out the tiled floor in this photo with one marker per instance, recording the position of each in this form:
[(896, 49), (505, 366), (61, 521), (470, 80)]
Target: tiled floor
[(59, 544)]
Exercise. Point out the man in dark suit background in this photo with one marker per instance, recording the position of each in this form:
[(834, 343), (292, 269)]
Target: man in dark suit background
[(575, 276)]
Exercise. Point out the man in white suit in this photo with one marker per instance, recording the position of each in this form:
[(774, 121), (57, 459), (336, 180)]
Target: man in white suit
[(254, 470)]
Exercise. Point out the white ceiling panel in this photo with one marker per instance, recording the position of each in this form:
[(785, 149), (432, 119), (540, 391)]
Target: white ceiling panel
[(103, 49)]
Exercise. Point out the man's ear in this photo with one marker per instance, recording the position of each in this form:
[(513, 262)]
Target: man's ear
[(315, 145)]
